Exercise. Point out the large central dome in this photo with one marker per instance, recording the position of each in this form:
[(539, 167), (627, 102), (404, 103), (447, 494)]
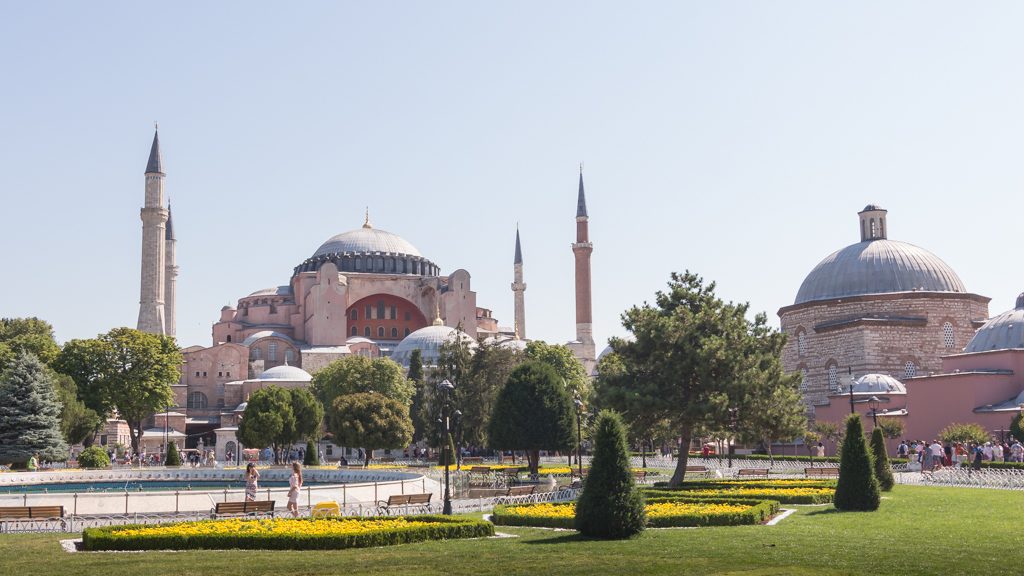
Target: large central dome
[(877, 265), (369, 250), (367, 240)]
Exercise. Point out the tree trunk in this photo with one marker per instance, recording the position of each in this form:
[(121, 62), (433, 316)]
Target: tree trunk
[(135, 433), (89, 440), (768, 448), (533, 458), (685, 436), (643, 454), (366, 463)]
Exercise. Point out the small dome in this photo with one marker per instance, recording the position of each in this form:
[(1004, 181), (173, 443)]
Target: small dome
[(364, 240), (878, 384), (1004, 332), (279, 291), (428, 341), (878, 266), (286, 373)]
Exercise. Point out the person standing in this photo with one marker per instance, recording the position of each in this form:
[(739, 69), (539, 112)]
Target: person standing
[(902, 449), (252, 476), (820, 450), (294, 484)]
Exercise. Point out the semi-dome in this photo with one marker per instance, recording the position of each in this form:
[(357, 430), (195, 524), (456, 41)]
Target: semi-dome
[(876, 267), (1004, 332), (285, 372), (428, 341)]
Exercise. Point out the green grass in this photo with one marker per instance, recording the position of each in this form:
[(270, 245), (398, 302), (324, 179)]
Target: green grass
[(918, 530)]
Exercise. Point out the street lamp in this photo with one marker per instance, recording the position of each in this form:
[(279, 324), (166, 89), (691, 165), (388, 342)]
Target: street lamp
[(579, 434), (873, 402), (445, 388), (853, 382), (458, 439)]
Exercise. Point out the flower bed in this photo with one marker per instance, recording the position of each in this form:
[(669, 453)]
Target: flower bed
[(662, 512), (284, 534), (784, 495)]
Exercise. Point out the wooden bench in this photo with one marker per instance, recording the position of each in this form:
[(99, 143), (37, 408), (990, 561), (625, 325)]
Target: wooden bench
[(244, 508), (406, 501), (640, 476), (698, 470), (32, 513), (512, 491), (821, 472), (752, 472)]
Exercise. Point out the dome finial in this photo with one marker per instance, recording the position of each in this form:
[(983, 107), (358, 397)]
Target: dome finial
[(437, 314), (366, 223)]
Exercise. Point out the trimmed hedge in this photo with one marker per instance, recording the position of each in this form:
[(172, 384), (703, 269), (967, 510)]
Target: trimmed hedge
[(726, 484), (442, 528), (94, 457), (760, 510), (781, 498)]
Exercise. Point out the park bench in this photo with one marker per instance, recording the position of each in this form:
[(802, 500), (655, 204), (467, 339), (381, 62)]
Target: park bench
[(512, 491), (406, 501), (33, 514), (703, 470), (821, 472), (247, 508), (640, 476), (480, 474), (752, 472)]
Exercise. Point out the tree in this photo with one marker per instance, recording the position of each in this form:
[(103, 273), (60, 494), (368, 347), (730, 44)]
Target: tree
[(370, 420), (773, 411), (475, 395), (1015, 428), (692, 358), (77, 422), (610, 505), (29, 413), (892, 428), (268, 420), (964, 433), (311, 457), (173, 458), (126, 370), (421, 424), (882, 469), (94, 457), (608, 393), (533, 412), (827, 431), (566, 364), (858, 487), (354, 374), (308, 414), (26, 335)]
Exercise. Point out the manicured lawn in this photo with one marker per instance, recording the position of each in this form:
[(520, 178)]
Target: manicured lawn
[(919, 530)]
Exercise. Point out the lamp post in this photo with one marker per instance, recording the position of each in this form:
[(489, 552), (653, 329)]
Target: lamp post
[(445, 388), (873, 402), (458, 439), (579, 434), (733, 421), (853, 382)]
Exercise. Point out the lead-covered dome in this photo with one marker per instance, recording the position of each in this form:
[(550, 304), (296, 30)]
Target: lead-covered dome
[(367, 240), (878, 384), (428, 341), (1004, 332), (285, 373), (372, 251)]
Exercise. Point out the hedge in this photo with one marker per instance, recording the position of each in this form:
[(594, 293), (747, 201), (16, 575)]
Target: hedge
[(725, 484), (759, 510), (781, 498), (442, 528)]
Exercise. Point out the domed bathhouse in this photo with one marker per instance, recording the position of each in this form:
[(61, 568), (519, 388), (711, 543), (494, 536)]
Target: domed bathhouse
[(879, 306)]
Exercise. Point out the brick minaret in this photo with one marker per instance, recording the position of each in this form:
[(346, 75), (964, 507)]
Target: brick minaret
[(581, 249), (518, 288), (154, 220), (170, 275)]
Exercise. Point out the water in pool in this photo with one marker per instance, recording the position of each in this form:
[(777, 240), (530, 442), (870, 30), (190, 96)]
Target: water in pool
[(142, 486)]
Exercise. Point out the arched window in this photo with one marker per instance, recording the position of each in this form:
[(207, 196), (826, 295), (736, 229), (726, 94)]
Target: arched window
[(833, 377), (197, 401), (394, 332), (355, 314), (355, 331), (366, 332), (255, 353), (289, 357), (229, 337), (947, 335), (272, 351), (380, 331), (801, 342), (909, 370)]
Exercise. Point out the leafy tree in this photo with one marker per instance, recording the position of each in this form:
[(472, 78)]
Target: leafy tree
[(965, 433), (569, 368), (173, 457), (610, 505), (77, 422), (308, 414), (268, 420), (475, 395), (1015, 428), (311, 457), (827, 430), (882, 469), (533, 412), (773, 411), (370, 420), (421, 425), (94, 457), (26, 335), (892, 428), (692, 358), (858, 487), (643, 422), (354, 374), (29, 413), (84, 362)]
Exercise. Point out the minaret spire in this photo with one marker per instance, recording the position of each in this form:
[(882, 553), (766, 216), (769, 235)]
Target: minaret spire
[(154, 246), (170, 276), (518, 288), (581, 200), (584, 345)]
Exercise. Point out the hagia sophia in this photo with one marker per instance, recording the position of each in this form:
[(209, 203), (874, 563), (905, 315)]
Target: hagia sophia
[(882, 327)]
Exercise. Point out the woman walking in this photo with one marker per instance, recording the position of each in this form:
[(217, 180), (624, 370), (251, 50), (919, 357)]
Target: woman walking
[(252, 476), (294, 483)]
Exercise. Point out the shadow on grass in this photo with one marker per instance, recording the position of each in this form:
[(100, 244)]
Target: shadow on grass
[(824, 511), (561, 539)]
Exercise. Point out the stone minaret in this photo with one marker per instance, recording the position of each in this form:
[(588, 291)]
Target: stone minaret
[(154, 220), (170, 275), (582, 248), (518, 288)]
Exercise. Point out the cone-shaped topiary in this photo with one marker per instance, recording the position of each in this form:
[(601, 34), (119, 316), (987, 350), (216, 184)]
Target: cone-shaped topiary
[(311, 457), (610, 506), (858, 487), (882, 469), (94, 457), (173, 458)]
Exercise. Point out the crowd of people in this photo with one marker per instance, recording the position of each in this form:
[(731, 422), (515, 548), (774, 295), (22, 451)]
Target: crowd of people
[(935, 454)]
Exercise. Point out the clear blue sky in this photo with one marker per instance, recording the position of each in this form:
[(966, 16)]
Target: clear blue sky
[(734, 139)]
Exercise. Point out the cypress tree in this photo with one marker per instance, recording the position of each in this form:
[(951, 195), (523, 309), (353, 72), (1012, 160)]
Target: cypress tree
[(311, 457), (29, 413), (610, 506), (882, 469), (173, 457), (858, 487)]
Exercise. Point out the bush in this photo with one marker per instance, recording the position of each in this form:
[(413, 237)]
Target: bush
[(437, 528), (311, 458), (610, 506), (94, 457), (857, 488), (559, 515), (784, 495), (173, 457), (964, 433), (883, 471)]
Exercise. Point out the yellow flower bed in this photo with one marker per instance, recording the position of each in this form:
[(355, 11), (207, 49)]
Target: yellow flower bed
[(796, 491), (548, 510), (277, 527), (661, 513)]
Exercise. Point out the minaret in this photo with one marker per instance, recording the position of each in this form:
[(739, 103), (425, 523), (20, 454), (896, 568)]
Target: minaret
[(154, 218), (582, 249), (518, 288), (170, 275)]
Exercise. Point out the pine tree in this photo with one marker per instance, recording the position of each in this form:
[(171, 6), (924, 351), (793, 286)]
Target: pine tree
[(173, 457), (610, 506), (882, 469), (858, 487), (29, 413)]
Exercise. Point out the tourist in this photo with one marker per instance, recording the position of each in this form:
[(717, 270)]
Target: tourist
[(979, 453), (252, 476), (902, 450), (33, 463), (936, 455), (294, 483), (820, 450), (987, 451), (997, 452)]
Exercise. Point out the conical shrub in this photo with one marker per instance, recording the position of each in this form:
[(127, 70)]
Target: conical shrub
[(858, 487), (311, 457), (882, 469), (610, 505), (173, 457)]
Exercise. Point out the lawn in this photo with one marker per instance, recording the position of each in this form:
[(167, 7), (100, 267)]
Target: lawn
[(918, 530)]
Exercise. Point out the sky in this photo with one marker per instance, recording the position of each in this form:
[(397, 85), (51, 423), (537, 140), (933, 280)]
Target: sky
[(737, 140)]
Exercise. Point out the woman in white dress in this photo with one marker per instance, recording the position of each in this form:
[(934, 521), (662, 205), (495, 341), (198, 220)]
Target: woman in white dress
[(294, 483)]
